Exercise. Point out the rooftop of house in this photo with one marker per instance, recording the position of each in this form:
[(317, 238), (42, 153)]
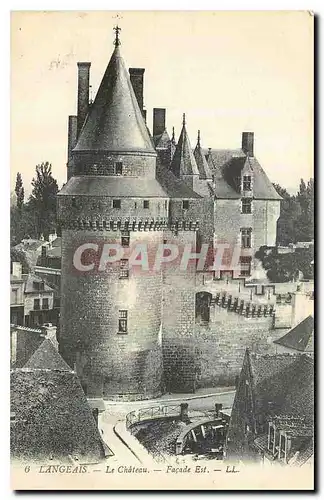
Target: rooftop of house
[(301, 337), (46, 356), (32, 282)]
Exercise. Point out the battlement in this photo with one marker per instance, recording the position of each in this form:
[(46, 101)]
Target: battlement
[(127, 224)]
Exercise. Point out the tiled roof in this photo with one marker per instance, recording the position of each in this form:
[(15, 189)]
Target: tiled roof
[(52, 419), (283, 384), (115, 122), (183, 161), (46, 356), (300, 337)]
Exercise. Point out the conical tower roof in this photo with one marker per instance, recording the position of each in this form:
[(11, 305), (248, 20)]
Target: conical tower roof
[(183, 161), (115, 122), (204, 170)]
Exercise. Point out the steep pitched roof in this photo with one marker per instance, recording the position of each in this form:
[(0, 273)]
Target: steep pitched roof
[(183, 161), (172, 185), (283, 384), (227, 165), (115, 122), (29, 285), (203, 167), (162, 140), (47, 357), (52, 418), (300, 337)]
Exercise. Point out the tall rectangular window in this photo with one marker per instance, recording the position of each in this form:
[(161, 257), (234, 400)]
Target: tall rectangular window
[(247, 183), (122, 321), (245, 266), (246, 233), (118, 168), (146, 204), (116, 203), (123, 269), (246, 206), (185, 204), (125, 238), (36, 304), (45, 304)]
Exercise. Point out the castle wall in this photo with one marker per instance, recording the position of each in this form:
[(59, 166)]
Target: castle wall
[(110, 364), (103, 163)]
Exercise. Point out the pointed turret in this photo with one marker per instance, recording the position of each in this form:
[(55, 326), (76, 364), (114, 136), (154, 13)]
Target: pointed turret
[(115, 122), (183, 162), (204, 170)]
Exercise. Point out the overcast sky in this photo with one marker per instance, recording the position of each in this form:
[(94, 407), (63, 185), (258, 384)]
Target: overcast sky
[(228, 71)]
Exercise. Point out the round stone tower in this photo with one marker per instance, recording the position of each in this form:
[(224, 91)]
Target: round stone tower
[(111, 312)]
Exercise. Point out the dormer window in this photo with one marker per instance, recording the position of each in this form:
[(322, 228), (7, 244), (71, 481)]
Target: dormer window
[(247, 183), (185, 204), (118, 168)]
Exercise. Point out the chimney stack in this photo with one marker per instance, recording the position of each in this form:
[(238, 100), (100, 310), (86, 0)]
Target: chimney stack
[(72, 134), (248, 143), (83, 93), (158, 121), (137, 80)]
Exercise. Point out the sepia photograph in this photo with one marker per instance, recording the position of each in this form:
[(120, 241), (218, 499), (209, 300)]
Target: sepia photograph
[(162, 250)]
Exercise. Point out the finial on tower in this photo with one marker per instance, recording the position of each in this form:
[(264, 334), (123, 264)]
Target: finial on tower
[(117, 29), (198, 138), (184, 119)]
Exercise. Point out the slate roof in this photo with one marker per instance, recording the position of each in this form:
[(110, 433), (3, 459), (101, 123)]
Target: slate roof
[(301, 337), (203, 167), (29, 284), (162, 140), (52, 419), (171, 184), (114, 122), (46, 356), (227, 164), (183, 161)]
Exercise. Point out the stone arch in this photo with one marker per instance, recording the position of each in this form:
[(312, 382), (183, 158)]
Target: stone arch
[(202, 307)]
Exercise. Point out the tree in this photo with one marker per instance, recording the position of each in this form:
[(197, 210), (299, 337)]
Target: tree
[(19, 190), (305, 198), (43, 199)]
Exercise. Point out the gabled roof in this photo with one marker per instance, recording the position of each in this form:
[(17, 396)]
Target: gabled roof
[(300, 337), (47, 357), (29, 285), (115, 122), (52, 418), (183, 161), (203, 167)]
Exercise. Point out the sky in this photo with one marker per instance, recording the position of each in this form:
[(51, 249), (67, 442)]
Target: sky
[(228, 71)]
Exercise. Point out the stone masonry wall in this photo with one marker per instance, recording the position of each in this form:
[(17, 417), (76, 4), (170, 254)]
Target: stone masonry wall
[(109, 363)]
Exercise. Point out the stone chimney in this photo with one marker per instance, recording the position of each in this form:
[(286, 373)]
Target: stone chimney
[(158, 121), (83, 93), (17, 269), (248, 143), (137, 79), (72, 134)]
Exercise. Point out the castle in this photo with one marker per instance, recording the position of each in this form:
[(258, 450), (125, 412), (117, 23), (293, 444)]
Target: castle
[(126, 331)]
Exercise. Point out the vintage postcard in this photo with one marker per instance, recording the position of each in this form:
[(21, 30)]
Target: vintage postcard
[(162, 250)]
